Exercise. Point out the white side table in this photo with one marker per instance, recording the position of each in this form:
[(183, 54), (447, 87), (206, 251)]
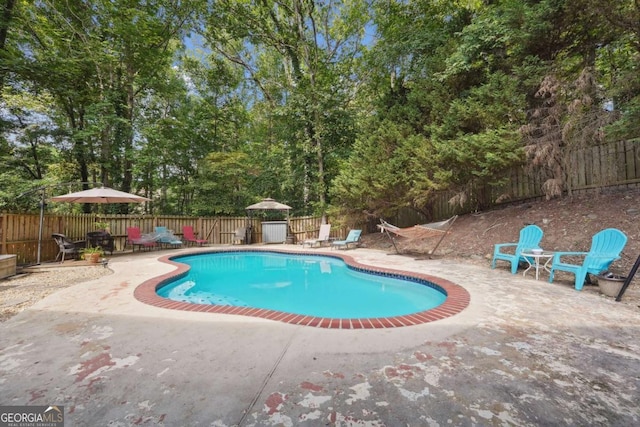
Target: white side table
[(540, 261)]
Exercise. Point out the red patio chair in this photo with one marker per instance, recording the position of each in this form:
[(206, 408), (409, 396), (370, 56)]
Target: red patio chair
[(135, 238), (190, 237)]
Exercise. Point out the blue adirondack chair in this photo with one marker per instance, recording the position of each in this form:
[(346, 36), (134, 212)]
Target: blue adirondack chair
[(353, 238), (606, 246), (530, 237)]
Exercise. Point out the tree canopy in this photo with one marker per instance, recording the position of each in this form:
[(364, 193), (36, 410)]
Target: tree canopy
[(352, 105)]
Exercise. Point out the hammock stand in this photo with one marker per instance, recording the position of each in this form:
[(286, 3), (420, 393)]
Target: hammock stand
[(419, 231), (627, 281)]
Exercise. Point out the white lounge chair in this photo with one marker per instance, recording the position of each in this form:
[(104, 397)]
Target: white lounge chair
[(323, 237)]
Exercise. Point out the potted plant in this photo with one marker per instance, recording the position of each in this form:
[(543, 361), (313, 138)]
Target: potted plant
[(92, 254), (610, 283)]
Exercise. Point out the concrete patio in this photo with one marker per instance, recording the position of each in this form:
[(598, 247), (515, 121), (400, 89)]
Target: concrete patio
[(524, 352)]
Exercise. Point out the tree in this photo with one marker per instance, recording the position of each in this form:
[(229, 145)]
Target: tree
[(298, 54), (225, 182), (454, 115), (286, 94), (201, 114), (617, 63), (97, 61), (6, 16), (379, 175)]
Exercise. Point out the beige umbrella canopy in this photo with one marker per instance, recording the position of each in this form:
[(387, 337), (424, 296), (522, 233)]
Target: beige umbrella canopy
[(100, 195), (268, 204)]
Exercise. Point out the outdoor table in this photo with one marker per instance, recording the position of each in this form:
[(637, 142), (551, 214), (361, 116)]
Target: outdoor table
[(102, 239), (537, 263)]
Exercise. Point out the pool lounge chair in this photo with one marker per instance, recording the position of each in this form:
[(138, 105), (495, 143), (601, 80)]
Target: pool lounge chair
[(165, 237), (240, 236), (352, 240), (606, 246), (135, 238), (190, 237), (323, 237), (530, 237)]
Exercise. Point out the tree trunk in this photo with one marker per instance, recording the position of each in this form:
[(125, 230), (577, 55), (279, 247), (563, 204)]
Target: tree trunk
[(7, 14)]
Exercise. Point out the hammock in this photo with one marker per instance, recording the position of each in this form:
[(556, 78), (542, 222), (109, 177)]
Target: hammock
[(420, 231)]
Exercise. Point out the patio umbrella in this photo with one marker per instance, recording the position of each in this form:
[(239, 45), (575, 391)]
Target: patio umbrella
[(100, 195), (93, 195)]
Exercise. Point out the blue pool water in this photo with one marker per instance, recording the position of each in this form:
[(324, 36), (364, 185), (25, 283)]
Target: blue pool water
[(310, 285)]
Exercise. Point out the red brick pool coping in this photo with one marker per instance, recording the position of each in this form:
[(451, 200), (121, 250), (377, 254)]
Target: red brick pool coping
[(457, 297)]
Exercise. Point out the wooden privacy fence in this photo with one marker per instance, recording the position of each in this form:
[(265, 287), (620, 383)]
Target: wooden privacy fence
[(612, 165), (615, 164), (19, 232)]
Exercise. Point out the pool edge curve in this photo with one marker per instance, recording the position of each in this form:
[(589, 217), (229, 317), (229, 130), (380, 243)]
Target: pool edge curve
[(457, 297)]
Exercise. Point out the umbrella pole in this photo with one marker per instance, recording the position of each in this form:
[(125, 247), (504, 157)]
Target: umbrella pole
[(41, 226), (289, 237)]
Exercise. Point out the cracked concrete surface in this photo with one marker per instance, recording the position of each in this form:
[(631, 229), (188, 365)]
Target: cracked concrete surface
[(524, 353)]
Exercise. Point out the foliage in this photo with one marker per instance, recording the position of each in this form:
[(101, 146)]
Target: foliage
[(95, 63), (570, 117), (298, 54), (224, 183), (390, 151), (374, 106), (92, 250)]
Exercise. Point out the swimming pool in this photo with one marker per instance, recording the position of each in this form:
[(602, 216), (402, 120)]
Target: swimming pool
[(456, 300), (312, 285)]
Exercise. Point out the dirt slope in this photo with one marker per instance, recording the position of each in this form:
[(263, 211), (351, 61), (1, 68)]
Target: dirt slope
[(568, 225)]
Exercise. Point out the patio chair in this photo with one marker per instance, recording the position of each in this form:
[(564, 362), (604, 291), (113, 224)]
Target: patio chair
[(190, 237), (353, 239), (530, 237), (606, 246), (240, 236), (323, 237), (165, 237), (135, 238), (102, 239), (68, 247)]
